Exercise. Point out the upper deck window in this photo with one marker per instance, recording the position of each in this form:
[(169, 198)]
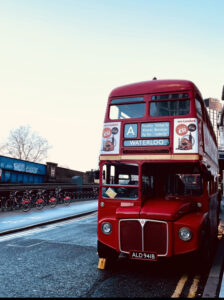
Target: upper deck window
[(198, 106), (127, 111), (170, 108), (170, 96), (127, 100)]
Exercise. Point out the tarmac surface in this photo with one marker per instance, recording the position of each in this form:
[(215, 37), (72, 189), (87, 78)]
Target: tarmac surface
[(18, 220)]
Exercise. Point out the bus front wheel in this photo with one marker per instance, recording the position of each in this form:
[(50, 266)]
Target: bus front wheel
[(206, 250), (108, 253)]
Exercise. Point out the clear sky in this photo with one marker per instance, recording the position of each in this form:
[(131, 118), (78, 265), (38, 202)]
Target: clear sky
[(59, 60)]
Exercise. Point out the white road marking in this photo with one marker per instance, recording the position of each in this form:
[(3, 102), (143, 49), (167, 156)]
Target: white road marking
[(17, 245)]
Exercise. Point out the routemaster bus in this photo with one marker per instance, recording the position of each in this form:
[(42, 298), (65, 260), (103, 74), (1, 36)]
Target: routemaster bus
[(158, 191)]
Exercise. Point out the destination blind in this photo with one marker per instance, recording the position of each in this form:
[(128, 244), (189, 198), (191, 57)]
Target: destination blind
[(148, 130)]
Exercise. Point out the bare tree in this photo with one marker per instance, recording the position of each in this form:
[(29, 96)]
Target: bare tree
[(26, 145), (2, 147)]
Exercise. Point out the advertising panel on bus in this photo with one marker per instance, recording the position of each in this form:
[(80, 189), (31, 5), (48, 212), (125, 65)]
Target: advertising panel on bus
[(185, 136), (111, 138)]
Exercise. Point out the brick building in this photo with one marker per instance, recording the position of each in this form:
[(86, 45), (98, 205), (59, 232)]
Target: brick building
[(59, 174)]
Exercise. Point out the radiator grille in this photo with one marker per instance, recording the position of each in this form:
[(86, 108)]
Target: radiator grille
[(155, 237), (130, 235), (143, 235)]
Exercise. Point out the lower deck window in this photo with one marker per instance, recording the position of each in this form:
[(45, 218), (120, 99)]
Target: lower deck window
[(167, 179), (120, 193), (120, 181)]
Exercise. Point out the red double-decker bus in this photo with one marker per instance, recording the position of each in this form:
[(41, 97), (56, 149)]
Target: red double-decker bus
[(158, 193)]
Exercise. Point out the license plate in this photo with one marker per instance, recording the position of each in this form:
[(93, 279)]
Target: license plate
[(143, 255)]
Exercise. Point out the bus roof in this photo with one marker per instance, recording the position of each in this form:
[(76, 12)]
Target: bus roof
[(154, 86)]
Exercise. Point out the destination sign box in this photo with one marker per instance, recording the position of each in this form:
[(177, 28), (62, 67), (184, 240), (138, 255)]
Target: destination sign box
[(158, 129), (146, 143)]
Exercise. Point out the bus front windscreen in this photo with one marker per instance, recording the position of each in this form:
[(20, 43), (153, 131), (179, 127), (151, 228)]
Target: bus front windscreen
[(127, 111), (170, 108), (166, 180)]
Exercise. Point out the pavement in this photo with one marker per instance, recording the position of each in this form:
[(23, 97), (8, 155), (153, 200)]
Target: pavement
[(18, 220), (221, 287), (214, 287)]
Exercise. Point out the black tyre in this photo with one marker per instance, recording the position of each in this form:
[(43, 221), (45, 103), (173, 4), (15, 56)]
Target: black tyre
[(39, 205), (67, 201), (26, 207), (53, 203), (106, 252), (206, 251)]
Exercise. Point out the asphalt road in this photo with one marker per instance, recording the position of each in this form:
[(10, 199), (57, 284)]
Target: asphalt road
[(60, 260)]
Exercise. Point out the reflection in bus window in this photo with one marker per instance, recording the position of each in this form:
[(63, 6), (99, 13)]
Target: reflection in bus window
[(198, 107), (127, 111), (184, 184), (120, 174), (148, 186), (120, 193), (170, 108), (161, 181)]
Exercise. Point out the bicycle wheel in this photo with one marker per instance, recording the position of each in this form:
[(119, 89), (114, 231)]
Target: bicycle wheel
[(9, 205), (52, 202), (39, 204), (26, 206), (67, 200)]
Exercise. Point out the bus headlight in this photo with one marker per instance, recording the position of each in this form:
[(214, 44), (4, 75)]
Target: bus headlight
[(185, 234), (106, 228)]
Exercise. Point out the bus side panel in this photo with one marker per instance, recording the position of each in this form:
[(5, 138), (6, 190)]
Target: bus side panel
[(213, 214), (193, 221), (110, 240)]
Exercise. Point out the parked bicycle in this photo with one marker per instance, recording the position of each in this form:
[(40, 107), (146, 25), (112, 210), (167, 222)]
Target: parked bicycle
[(10, 202), (15, 200), (41, 199), (61, 197), (3, 200), (27, 200), (52, 199), (67, 198), (95, 192)]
